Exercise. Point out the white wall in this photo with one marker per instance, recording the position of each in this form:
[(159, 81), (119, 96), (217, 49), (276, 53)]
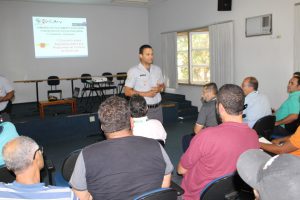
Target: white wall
[(114, 36), (268, 58)]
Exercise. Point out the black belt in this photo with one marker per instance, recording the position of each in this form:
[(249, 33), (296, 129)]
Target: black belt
[(154, 105)]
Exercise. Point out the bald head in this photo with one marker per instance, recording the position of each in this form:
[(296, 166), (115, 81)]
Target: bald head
[(18, 154), (249, 85)]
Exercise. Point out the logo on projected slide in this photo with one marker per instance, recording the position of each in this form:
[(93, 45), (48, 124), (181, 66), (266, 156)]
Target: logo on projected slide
[(47, 21), (41, 45)]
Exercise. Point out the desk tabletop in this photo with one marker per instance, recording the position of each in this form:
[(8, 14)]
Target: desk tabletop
[(68, 79)]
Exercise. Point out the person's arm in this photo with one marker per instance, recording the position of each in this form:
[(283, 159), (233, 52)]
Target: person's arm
[(198, 128), (181, 170), (168, 170), (166, 181), (280, 140), (82, 195), (130, 91), (286, 147), (290, 118), (8, 96)]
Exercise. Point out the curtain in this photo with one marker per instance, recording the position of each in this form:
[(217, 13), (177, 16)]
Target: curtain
[(169, 59), (297, 38), (221, 53)]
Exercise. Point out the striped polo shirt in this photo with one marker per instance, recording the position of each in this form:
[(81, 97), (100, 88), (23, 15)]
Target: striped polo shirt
[(39, 191)]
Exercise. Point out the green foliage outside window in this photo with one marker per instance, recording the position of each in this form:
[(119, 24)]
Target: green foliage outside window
[(193, 59)]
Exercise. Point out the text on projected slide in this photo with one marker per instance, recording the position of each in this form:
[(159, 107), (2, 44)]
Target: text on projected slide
[(60, 37)]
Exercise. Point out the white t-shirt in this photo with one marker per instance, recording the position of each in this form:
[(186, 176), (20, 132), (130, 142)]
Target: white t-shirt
[(149, 128), (5, 87)]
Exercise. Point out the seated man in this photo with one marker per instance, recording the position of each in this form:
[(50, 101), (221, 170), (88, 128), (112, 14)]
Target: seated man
[(214, 152), (271, 177), (288, 144), (289, 110), (257, 105), (6, 95), (207, 116), (25, 158), (140, 124), (7, 132), (122, 166)]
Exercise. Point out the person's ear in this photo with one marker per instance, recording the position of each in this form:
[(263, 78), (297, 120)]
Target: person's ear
[(221, 109), (131, 123)]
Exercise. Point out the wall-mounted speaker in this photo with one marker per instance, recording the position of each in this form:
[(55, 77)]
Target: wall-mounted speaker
[(224, 5)]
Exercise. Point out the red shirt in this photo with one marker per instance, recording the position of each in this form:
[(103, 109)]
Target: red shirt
[(213, 153)]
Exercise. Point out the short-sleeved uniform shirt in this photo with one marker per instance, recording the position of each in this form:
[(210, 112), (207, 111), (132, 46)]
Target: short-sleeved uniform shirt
[(213, 154), (289, 106), (140, 79), (5, 87)]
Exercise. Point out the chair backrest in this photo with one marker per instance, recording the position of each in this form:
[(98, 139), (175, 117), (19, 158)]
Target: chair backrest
[(120, 78), (292, 127), (53, 82), (159, 194), (76, 92), (6, 176), (85, 77), (227, 187), (108, 75), (69, 164), (264, 126)]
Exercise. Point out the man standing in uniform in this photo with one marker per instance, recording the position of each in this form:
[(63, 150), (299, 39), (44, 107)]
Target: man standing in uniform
[(146, 80), (6, 95)]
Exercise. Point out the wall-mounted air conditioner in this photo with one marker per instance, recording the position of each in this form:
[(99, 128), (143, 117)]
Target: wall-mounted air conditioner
[(260, 25)]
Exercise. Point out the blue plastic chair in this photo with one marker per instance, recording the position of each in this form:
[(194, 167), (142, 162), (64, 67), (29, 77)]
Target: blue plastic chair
[(228, 187), (159, 194)]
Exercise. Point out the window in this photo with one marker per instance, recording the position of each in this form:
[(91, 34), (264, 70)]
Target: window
[(193, 57)]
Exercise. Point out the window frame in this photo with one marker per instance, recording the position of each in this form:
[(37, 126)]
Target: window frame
[(189, 51)]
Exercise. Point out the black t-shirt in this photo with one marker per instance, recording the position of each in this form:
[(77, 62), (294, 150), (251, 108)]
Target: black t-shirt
[(120, 168)]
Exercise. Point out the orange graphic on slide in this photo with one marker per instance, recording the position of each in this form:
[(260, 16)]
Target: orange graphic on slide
[(42, 45)]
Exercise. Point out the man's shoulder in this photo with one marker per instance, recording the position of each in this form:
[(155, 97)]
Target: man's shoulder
[(155, 67), (133, 69), (114, 142), (154, 122)]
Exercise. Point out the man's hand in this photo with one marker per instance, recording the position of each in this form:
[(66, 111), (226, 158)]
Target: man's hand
[(150, 93), (155, 89)]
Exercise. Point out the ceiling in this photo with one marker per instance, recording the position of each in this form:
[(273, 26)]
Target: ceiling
[(133, 3)]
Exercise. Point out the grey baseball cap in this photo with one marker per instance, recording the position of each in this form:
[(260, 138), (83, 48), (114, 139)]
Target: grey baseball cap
[(275, 178)]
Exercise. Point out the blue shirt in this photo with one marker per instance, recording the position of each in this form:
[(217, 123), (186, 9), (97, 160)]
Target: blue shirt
[(39, 191), (7, 133), (258, 106)]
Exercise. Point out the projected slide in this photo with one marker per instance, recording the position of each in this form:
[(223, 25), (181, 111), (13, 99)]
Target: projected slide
[(60, 37)]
